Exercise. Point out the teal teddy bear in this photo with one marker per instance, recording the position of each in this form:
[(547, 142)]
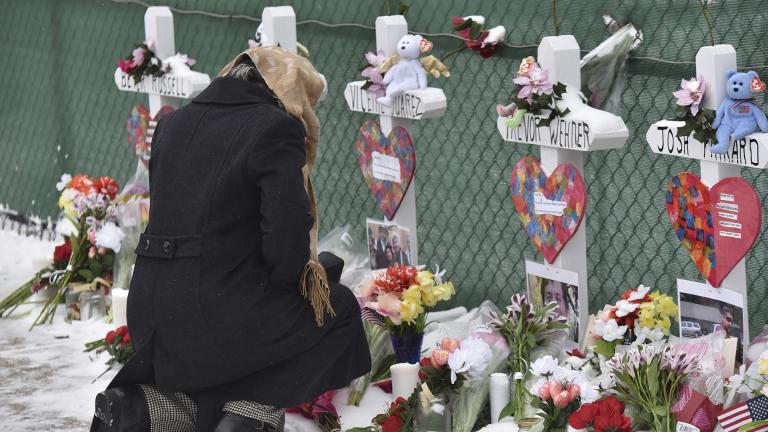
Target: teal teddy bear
[(739, 115)]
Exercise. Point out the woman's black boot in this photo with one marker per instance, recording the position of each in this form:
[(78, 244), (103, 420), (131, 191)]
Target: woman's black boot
[(122, 409)]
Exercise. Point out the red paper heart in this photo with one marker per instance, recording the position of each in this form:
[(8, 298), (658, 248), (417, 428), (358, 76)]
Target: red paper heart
[(564, 189), (141, 129), (717, 226), (396, 149)]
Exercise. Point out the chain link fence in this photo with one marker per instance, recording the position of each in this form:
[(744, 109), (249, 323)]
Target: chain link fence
[(60, 112)]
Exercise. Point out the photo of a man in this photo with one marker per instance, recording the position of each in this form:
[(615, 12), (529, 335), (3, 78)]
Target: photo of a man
[(705, 310)]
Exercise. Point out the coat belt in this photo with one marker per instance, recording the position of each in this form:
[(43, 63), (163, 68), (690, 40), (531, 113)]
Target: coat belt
[(156, 246)]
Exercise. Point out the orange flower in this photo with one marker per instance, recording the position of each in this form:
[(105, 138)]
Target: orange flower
[(81, 183)]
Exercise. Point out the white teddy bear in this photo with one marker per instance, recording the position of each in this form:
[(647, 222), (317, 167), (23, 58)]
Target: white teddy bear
[(408, 73)]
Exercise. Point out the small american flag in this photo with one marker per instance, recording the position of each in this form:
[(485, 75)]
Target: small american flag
[(371, 315), (744, 413)]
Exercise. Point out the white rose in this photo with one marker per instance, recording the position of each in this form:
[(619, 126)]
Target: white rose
[(110, 236)]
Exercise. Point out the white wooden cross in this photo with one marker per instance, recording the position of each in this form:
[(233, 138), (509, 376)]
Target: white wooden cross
[(567, 140), (412, 105), (172, 87), (712, 63)]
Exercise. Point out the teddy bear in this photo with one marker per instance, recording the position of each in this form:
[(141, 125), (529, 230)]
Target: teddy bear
[(739, 115), (408, 73)]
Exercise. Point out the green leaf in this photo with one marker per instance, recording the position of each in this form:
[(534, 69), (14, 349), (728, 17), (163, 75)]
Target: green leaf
[(508, 410), (86, 274), (367, 85), (558, 89), (608, 349), (652, 377)]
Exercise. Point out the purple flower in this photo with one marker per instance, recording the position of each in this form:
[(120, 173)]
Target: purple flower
[(535, 82), (691, 93), (252, 43)]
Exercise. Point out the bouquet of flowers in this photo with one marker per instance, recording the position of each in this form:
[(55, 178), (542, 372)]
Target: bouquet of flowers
[(84, 261), (537, 95), (117, 343), (398, 299), (322, 411), (558, 392), (640, 316), (650, 378), (476, 37), (382, 357), (605, 415), (144, 62), (525, 329)]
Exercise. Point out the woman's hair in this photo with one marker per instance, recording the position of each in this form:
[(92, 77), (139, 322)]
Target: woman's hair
[(246, 71)]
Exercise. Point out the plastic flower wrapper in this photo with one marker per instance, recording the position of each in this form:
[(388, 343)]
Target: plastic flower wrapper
[(604, 69), (382, 357), (526, 328), (130, 218), (468, 402), (650, 378)]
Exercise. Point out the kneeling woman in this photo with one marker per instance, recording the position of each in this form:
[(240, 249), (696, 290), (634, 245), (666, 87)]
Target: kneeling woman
[(231, 311)]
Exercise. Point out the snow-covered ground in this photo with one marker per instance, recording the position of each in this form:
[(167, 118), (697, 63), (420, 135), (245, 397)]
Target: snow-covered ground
[(47, 381)]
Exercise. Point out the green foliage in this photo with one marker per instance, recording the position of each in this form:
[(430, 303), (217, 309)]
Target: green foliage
[(699, 125)]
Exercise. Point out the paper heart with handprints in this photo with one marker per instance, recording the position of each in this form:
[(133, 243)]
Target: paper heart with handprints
[(552, 207), (387, 163), (141, 128), (718, 225)]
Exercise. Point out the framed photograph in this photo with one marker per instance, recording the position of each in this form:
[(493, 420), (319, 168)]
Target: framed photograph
[(705, 310), (388, 244), (548, 284)]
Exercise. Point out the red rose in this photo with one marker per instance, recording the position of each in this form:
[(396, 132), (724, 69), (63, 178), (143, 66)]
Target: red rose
[(485, 51), (584, 416), (576, 353), (107, 186), (63, 252), (126, 340), (610, 406), (392, 423), (125, 65), (613, 423), (110, 338)]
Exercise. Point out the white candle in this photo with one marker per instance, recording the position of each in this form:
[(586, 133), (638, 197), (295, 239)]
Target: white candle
[(499, 394), (119, 306), (405, 378)]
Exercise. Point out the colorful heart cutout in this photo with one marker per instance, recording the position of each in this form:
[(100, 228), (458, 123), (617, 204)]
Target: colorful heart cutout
[(388, 164), (141, 129), (718, 225), (552, 207)]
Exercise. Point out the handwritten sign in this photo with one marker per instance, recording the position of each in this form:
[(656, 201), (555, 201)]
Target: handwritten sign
[(563, 132), (413, 104), (385, 167), (178, 86), (751, 151), (544, 206)]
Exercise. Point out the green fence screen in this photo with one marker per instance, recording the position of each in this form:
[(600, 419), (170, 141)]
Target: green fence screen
[(60, 112)]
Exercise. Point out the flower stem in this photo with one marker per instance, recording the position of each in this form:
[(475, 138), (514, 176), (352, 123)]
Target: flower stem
[(554, 17), (453, 53), (708, 19)]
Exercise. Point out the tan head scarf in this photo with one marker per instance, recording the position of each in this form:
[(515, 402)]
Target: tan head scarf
[(298, 86)]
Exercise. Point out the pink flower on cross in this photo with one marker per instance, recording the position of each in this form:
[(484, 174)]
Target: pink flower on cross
[(372, 73), (536, 81), (691, 93)]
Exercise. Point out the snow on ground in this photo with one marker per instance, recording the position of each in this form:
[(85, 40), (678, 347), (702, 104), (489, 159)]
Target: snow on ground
[(47, 381)]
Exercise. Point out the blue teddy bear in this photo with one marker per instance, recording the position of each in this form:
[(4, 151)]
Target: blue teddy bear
[(739, 115)]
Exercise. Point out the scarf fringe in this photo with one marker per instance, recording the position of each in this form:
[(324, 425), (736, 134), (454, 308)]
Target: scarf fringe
[(314, 287)]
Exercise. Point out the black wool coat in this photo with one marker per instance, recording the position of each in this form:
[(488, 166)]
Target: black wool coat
[(214, 305)]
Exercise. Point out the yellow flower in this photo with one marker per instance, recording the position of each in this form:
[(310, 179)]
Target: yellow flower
[(667, 306), (410, 306), (762, 366), (654, 295), (425, 278), (647, 320), (663, 324), (432, 294)]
